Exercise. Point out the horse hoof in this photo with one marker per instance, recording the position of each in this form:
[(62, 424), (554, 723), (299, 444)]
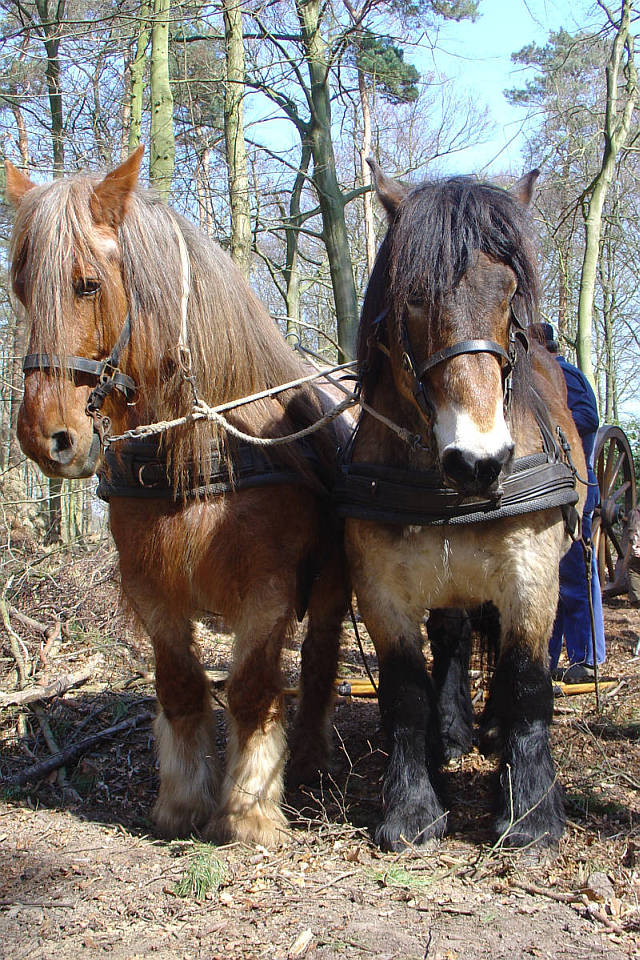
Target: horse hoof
[(412, 827), (490, 742), (173, 821), (307, 771), (454, 749), (252, 828), (541, 828)]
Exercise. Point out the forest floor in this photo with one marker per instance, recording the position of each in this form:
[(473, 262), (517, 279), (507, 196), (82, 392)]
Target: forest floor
[(81, 873)]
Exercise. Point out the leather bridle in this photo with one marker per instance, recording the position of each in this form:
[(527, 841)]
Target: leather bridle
[(417, 373), (106, 373)]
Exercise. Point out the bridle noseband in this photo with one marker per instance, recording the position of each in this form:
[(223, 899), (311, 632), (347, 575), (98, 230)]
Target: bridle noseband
[(106, 372)]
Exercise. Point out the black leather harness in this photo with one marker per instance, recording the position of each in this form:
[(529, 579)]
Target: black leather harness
[(138, 469), (371, 491)]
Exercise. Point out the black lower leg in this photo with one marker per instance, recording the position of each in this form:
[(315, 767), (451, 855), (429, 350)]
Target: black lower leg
[(530, 808), (412, 811), (450, 638)]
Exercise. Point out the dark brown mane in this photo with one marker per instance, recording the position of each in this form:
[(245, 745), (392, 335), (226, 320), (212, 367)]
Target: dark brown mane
[(236, 348), (439, 228)]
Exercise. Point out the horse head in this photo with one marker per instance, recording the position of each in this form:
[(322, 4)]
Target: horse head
[(460, 290), (66, 273)]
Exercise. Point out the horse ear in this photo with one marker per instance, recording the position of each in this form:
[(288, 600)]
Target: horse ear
[(18, 183), (523, 188), (390, 192), (110, 199)]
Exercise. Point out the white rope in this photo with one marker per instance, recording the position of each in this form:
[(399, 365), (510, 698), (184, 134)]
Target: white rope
[(202, 411), (183, 341)]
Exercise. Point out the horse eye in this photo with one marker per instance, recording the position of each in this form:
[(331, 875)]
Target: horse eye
[(86, 288)]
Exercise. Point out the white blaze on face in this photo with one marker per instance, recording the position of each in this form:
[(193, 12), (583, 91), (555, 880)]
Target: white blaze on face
[(455, 429)]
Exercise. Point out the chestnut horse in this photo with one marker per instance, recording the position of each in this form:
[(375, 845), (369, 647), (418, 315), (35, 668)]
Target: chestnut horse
[(98, 263), (443, 354)]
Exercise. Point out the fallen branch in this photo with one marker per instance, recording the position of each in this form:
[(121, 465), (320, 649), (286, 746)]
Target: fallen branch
[(18, 649), (32, 624), (69, 754), (53, 689), (544, 892)]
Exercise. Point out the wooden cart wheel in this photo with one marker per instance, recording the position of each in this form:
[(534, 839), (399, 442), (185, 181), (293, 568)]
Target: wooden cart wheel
[(616, 480)]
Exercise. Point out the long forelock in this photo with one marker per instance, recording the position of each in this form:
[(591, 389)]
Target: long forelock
[(442, 225), (53, 241), (439, 228)]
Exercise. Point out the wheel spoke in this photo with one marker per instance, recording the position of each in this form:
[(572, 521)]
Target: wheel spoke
[(609, 464), (621, 490), (622, 459), (614, 540), (609, 561)]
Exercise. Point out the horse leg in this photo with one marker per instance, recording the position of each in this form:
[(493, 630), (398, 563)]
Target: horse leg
[(412, 813), (256, 744), (450, 637), (184, 730), (530, 808), (311, 737)]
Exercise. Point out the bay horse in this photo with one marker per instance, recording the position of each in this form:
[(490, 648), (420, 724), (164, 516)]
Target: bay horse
[(99, 267), (471, 413)]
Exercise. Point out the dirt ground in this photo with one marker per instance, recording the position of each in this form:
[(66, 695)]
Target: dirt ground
[(81, 873)]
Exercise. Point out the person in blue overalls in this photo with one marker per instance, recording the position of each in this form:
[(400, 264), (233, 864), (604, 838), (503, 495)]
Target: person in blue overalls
[(573, 621)]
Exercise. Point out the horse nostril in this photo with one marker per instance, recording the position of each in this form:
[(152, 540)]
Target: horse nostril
[(62, 445), (487, 471), (469, 474)]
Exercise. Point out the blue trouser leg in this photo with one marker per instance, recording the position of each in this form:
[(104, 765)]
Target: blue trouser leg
[(572, 617)]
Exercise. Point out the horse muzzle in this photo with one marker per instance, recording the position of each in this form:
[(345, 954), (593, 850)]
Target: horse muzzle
[(475, 475), (60, 452)]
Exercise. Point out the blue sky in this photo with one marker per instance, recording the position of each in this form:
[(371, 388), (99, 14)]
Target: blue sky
[(478, 57)]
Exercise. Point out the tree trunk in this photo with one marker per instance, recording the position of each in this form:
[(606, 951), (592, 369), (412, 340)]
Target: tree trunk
[(292, 234), (203, 191), (234, 137), (616, 131), (51, 29), (137, 76), (365, 172), (325, 179), (125, 125), (162, 153)]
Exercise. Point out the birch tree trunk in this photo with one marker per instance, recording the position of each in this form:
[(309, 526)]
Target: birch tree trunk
[(162, 152), (616, 131), (365, 172), (234, 137)]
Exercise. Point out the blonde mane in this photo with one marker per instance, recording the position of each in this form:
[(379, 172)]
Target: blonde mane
[(235, 346)]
